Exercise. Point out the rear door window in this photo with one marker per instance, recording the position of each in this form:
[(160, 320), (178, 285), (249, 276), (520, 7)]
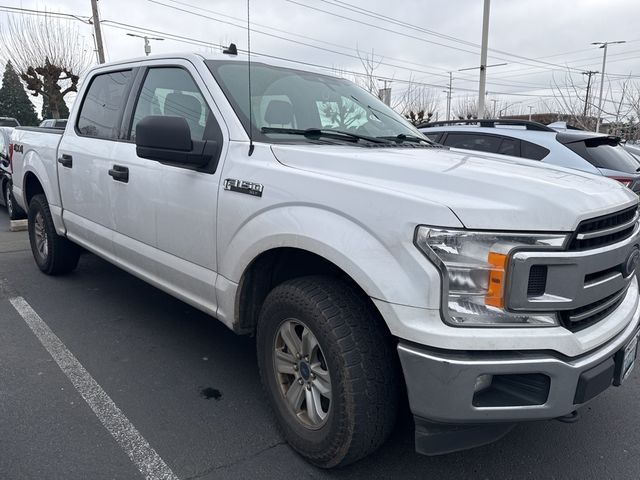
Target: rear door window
[(472, 141), (103, 105), (532, 151), (509, 146), (434, 136)]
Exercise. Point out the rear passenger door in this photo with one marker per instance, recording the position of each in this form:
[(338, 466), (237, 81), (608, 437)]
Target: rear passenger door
[(165, 214), (85, 154)]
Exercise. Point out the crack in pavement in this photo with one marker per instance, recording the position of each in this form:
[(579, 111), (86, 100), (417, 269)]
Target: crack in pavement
[(236, 462), (14, 251)]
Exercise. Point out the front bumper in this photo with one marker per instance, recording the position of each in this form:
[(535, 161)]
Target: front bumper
[(441, 384)]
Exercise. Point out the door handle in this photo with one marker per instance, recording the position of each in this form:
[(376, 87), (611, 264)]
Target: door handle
[(66, 160), (119, 173)]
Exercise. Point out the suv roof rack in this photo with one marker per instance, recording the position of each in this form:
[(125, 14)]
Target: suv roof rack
[(492, 123)]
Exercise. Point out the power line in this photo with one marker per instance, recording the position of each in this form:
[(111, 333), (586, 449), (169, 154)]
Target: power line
[(208, 44), (358, 57), (351, 19)]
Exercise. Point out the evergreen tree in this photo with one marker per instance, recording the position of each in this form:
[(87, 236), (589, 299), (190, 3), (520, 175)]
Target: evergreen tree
[(14, 101)]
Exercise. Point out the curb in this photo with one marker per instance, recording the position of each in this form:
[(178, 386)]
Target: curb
[(18, 225)]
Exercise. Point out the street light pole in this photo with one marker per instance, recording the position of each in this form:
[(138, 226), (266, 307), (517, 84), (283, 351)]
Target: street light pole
[(604, 46), (483, 58), (147, 45)]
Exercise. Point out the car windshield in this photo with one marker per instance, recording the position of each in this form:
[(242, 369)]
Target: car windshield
[(8, 122), (287, 104)]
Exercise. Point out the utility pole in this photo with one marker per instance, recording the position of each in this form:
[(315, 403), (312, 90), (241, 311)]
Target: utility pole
[(483, 58), (449, 96), (603, 45), (494, 100), (589, 73), (530, 110), (384, 93), (98, 30)]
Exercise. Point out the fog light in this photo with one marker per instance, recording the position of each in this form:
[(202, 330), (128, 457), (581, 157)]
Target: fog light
[(483, 382)]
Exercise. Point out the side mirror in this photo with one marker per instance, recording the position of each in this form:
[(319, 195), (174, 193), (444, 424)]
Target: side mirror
[(168, 139)]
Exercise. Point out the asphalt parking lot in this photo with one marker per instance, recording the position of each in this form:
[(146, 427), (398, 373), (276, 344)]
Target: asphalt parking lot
[(191, 389)]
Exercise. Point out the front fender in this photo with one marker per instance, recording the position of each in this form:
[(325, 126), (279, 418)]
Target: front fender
[(389, 269)]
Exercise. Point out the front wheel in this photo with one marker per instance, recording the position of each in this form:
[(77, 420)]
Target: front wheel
[(54, 255), (329, 369)]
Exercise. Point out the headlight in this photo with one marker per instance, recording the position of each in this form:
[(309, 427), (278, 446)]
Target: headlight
[(473, 267)]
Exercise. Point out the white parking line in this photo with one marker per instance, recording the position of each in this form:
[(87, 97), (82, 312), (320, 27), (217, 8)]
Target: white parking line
[(128, 437)]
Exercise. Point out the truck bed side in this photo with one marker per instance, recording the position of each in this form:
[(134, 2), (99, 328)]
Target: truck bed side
[(35, 153)]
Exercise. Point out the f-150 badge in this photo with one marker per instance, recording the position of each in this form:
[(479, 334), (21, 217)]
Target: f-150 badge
[(243, 186)]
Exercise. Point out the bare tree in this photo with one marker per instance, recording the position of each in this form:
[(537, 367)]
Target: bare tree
[(49, 54), (369, 81), (466, 108), (418, 103), (570, 101)]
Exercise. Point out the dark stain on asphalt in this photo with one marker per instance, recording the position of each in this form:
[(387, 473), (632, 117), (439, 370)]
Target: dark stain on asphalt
[(209, 393)]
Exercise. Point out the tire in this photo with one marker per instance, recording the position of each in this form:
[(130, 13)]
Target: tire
[(354, 357), (54, 255), (13, 209)]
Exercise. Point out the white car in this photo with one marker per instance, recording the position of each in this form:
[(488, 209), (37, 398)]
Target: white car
[(369, 263), (53, 123), (581, 150)]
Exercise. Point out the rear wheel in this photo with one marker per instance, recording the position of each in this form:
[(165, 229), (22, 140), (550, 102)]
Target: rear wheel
[(14, 210), (329, 369), (54, 255)]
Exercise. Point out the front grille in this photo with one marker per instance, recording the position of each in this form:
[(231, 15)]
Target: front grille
[(605, 230), (588, 315)]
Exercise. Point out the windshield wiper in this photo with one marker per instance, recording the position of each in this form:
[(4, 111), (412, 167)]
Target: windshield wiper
[(315, 133), (407, 138)]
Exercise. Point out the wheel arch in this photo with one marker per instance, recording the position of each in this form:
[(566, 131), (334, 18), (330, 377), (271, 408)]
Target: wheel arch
[(384, 265), (31, 186), (275, 266)]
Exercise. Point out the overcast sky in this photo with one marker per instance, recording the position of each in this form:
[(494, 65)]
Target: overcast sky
[(523, 33)]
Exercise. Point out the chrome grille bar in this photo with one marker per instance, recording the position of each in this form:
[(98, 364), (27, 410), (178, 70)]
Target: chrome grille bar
[(598, 308), (608, 231)]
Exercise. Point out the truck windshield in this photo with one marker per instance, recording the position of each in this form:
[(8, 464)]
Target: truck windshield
[(287, 102)]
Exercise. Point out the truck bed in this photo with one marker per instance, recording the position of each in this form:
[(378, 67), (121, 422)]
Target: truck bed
[(35, 149)]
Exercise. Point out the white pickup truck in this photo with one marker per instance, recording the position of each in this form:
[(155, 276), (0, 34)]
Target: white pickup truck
[(370, 264)]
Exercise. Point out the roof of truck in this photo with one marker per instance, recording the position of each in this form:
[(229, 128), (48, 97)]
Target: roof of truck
[(240, 57)]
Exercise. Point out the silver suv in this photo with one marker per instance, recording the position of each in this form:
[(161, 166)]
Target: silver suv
[(587, 151)]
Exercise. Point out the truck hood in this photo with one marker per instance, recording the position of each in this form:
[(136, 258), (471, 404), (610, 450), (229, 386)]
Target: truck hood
[(484, 191)]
